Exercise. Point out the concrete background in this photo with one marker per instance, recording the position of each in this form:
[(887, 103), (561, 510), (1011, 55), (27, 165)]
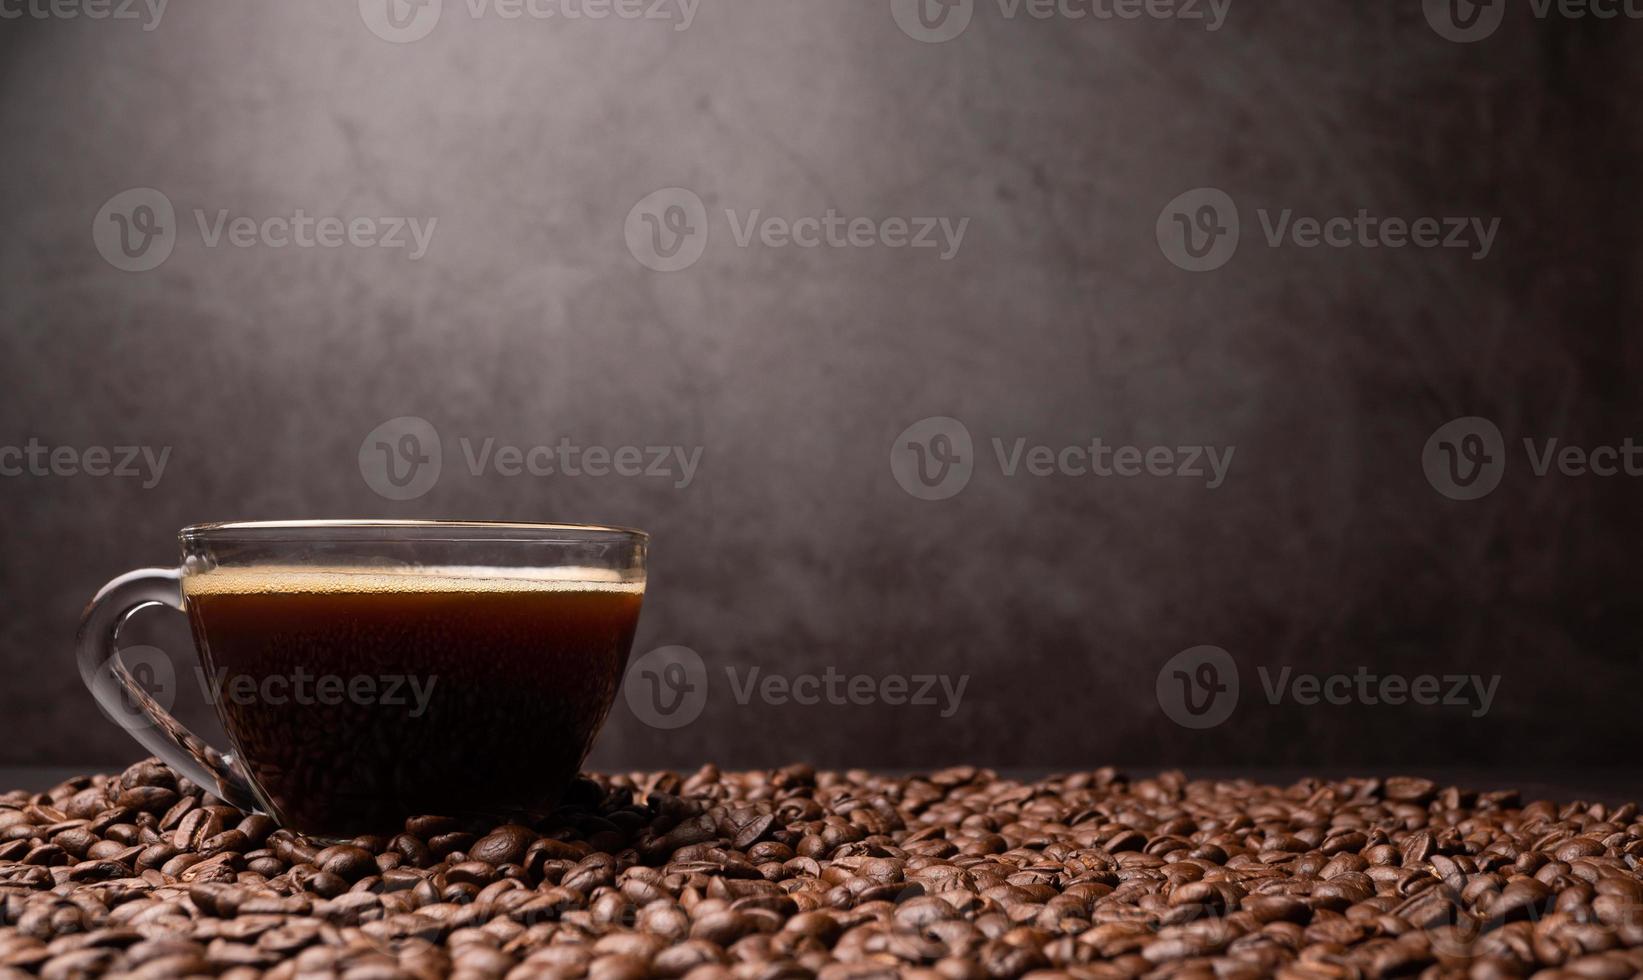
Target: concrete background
[(794, 369)]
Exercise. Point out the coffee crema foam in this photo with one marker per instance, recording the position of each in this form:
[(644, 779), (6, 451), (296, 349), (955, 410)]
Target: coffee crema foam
[(278, 579)]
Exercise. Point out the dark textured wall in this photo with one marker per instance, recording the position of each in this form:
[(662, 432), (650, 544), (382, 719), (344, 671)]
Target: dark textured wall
[(1060, 319)]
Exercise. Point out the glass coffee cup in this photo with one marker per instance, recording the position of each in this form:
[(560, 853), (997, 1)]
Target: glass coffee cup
[(366, 671)]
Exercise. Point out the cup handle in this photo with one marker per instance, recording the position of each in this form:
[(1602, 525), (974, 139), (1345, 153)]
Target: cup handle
[(126, 702)]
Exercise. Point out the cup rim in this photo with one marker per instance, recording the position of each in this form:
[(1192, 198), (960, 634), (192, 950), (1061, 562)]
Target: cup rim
[(426, 530)]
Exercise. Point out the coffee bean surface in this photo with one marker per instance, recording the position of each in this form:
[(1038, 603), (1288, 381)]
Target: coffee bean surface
[(797, 873)]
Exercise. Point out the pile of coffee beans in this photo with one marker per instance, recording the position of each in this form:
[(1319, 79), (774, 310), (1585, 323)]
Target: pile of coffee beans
[(800, 873)]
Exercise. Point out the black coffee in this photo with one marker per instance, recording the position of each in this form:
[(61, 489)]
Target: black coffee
[(356, 697)]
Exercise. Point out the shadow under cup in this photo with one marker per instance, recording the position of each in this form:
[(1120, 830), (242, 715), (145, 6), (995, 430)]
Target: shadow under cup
[(366, 672)]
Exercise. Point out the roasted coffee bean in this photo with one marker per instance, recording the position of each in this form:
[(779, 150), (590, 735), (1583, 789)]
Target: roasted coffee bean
[(256, 827), (1416, 848), (1521, 898), (430, 826), (721, 928), (594, 871), (443, 845), (149, 799), (476, 873), (679, 960), (346, 861), (228, 840), (1404, 789), (412, 850), (664, 919), (801, 873), (46, 855), (504, 845), (76, 841), (327, 884), (265, 864), (89, 871), (113, 850), (80, 963)]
